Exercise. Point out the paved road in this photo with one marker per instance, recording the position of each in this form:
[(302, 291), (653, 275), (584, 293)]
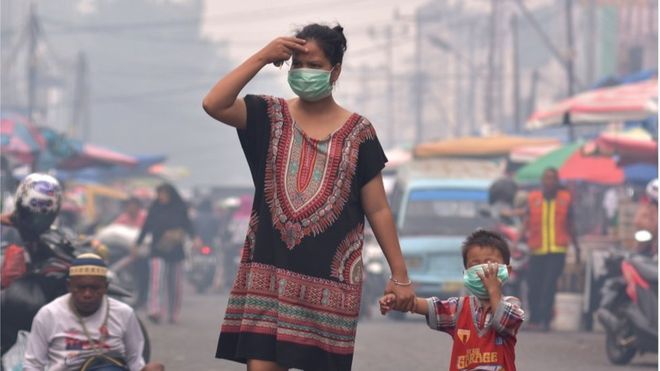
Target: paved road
[(382, 344)]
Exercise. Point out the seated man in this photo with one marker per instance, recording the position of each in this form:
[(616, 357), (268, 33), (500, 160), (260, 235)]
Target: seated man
[(85, 329)]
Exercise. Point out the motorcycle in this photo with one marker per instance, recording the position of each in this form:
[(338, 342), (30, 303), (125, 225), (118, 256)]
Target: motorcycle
[(202, 264), (629, 306), (45, 279)]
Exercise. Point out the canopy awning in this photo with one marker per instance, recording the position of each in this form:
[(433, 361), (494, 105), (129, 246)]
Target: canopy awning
[(619, 103)]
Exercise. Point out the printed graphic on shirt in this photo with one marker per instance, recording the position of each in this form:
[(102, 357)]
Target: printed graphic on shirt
[(464, 335), (79, 348), (485, 360)]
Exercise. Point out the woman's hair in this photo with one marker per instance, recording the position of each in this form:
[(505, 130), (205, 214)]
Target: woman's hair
[(331, 40)]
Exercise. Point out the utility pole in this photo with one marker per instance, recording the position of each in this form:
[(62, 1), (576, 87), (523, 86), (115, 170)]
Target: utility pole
[(591, 42), (473, 81), (32, 61), (458, 94), (570, 65), (516, 73), (532, 93), (566, 59), (491, 63), (418, 87), (79, 126)]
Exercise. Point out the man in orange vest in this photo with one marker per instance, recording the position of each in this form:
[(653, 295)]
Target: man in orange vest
[(549, 229)]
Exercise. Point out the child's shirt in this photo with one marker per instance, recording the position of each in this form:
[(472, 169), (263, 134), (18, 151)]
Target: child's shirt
[(483, 339)]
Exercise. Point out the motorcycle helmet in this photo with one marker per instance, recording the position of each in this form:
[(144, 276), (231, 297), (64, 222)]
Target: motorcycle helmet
[(652, 191), (38, 201)]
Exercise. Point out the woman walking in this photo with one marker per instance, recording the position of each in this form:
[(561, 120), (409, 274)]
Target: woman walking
[(316, 170), (168, 223)]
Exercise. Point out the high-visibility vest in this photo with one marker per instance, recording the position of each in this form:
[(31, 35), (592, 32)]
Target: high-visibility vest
[(547, 225)]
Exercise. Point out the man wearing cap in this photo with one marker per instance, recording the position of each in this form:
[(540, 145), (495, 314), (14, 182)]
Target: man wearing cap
[(85, 327)]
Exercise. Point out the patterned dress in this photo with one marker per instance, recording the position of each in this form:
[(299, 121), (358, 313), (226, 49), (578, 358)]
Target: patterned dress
[(296, 297)]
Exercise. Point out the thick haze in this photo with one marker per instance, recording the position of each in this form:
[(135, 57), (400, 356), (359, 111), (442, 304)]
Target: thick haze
[(151, 62)]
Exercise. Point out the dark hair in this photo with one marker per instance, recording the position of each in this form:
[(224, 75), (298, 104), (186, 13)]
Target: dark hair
[(552, 170), (331, 40), (176, 201), (485, 238)]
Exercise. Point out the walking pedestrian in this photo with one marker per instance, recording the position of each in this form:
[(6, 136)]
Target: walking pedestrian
[(484, 325), (168, 223), (316, 168)]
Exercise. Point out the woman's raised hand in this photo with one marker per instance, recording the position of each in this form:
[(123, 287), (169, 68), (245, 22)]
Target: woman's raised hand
[(281, 49)]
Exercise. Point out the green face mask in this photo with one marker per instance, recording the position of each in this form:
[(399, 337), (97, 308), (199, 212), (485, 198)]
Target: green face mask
[(474, 284), (310, 84)]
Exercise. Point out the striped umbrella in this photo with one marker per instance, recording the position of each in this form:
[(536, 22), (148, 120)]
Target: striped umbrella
[(620, 103)]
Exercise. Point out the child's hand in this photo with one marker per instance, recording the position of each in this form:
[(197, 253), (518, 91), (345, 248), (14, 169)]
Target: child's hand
[(386, 303), (490, 280)]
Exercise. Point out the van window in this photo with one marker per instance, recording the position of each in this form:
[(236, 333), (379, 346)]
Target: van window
[(453, 212)]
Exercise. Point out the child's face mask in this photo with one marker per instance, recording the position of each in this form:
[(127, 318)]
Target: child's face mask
[(474, 284)]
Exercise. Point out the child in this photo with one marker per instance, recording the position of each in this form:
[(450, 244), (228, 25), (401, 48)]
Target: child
[(484, 325)]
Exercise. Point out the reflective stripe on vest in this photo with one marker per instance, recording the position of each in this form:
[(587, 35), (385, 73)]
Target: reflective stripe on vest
[(548, 229)]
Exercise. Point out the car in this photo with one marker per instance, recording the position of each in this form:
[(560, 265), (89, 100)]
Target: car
[(435, 206)]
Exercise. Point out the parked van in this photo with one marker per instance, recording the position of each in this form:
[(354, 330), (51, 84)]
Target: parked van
[(436, 204)]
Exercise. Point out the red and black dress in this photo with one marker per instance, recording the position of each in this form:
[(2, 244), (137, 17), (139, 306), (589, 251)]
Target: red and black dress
[(296, 297)]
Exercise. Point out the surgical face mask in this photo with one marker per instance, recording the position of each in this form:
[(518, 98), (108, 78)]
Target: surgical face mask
[(474, 284), (310, 84)]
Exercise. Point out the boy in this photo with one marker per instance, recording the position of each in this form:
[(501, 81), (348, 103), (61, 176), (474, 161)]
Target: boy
[(483, 325)]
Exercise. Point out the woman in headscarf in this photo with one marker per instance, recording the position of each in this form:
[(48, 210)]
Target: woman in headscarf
[(168, 223)]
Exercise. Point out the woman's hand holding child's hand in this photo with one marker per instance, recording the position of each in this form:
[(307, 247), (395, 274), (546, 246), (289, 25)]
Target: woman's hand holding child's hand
[(386, 303), (404, 296)]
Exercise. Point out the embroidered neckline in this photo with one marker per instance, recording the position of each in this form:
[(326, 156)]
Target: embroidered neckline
[(354, 117), (297, 215)]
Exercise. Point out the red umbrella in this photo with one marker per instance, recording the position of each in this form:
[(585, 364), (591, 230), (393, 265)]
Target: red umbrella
[(630, 147), (591, 169), (620, 103), (575, 165)]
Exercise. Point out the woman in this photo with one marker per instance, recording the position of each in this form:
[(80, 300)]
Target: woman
[(168, 223), (316, 169)]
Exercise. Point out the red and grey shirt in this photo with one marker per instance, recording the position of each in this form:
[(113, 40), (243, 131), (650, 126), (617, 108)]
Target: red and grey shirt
[(483, 339)]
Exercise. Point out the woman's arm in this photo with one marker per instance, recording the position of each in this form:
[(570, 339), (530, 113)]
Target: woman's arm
[(377, 210), (221, 102)]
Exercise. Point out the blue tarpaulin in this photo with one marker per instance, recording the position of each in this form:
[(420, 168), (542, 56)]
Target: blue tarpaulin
[(640, 173)]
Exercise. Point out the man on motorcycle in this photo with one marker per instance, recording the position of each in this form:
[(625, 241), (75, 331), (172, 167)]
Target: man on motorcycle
[(85, 329), (37, 202)]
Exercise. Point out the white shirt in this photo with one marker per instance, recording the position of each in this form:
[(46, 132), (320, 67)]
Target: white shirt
[(57, 340)]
